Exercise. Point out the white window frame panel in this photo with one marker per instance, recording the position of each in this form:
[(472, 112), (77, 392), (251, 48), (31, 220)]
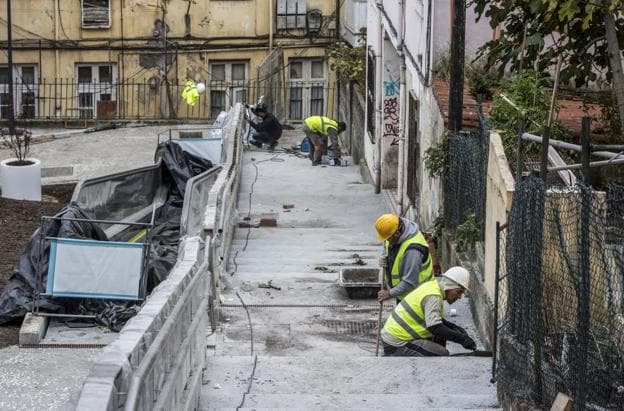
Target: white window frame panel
[(305, 86), (355, 18), (235, 90), (291, 14), (94, 26), (19, 88), (96, 88)]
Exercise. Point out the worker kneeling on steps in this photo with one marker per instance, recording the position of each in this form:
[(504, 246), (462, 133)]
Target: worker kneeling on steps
[(417, 326)]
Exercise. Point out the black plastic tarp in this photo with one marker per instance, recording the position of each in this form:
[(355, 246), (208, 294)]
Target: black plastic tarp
[(17, 297)]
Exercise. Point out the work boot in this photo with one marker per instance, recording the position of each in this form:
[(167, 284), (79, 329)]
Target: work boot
[(255, 143), (273, 145)]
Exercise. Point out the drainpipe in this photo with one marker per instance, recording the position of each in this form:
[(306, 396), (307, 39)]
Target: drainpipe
[(378, 100), (57, 67), (270, 25), (402, 110), (10, 70)]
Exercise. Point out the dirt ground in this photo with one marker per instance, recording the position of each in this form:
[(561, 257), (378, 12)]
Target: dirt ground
[(18, 221)]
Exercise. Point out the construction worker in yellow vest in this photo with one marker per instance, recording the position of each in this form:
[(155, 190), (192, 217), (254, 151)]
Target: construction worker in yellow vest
[(319, 130), (191, 92), (417, 326), (407, 256)]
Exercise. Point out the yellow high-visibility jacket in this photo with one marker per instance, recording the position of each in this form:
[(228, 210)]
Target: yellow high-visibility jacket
[(426, 268), (190, 94), (320, 124), (407, 321)]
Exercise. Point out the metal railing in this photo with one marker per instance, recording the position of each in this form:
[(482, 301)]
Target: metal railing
[(153, 99)]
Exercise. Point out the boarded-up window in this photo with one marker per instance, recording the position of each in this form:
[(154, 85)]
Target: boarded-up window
[(95, 13)]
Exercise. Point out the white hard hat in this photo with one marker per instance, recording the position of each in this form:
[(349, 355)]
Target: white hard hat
[(458, 275), (201, 87)]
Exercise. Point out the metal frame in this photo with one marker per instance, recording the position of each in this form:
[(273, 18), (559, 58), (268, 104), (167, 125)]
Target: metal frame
[(37, 294), (171, 130)]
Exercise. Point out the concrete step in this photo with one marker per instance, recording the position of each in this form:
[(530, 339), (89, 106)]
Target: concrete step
[(348, 382), (358, 402)]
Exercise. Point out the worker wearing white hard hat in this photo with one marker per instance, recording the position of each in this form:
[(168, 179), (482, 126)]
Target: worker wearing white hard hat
[(417, 326)]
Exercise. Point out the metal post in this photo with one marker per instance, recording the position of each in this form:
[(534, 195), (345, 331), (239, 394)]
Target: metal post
[(496, 291), (583, 300), (585, 149), (545, 147), (519, 163), (10, 69)]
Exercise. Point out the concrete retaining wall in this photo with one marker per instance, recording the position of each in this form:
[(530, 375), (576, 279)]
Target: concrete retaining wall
[(157, 360)]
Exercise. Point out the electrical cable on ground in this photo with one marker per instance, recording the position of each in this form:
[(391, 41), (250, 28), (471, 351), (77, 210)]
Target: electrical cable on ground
[(251, 340)]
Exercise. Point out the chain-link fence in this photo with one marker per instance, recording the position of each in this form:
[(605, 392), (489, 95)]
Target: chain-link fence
[(562, 316), (464, 182)]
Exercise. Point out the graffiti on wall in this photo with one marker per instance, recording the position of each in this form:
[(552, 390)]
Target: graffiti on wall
[(391, 106)]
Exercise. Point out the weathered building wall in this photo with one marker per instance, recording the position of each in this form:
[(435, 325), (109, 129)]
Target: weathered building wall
[(55, 43)]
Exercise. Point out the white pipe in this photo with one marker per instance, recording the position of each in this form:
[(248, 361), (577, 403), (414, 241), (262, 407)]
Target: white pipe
[(378, 99), (569, 146), (402, 111)]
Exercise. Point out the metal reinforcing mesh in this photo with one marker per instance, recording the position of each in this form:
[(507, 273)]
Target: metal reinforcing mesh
[(270, 82), (561, 303)]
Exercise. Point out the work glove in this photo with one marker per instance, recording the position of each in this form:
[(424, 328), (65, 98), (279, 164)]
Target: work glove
[(469, 343), (454, 326), (383, 261)]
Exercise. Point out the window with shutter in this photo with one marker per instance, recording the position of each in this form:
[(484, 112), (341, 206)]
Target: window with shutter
[(96, 13)]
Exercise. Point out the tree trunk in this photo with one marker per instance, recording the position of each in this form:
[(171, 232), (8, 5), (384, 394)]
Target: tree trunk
[(615, 61)]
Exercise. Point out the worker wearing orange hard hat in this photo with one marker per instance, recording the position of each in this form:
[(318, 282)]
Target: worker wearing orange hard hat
[(407, 256)]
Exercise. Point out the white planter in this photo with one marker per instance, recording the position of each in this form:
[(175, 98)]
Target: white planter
[(21, 182)]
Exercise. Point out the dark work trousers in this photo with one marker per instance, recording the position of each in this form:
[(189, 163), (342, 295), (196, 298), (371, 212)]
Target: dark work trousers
[(264, 137), (318, 145), (416, 348)]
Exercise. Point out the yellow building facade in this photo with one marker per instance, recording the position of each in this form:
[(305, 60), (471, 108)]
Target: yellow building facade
[(129, 59)]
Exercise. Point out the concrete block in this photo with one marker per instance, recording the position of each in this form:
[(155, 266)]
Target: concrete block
[(33, 329), (562, 403)]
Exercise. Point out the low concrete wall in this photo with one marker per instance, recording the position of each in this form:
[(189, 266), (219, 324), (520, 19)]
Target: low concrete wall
[(157, 360)]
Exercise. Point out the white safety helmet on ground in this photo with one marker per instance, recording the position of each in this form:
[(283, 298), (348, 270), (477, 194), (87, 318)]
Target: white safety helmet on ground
[(458, 275), (201, 87)]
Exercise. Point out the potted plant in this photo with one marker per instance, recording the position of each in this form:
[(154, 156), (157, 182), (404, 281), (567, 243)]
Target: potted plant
[(20, 176)]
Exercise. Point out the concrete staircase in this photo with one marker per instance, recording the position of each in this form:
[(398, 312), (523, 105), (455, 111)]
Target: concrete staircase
[(330, 383), (302, 343)]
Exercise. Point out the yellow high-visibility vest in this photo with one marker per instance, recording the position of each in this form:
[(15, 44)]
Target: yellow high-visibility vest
[(407, 321), (190, 94), (320, 124), (426, 268)]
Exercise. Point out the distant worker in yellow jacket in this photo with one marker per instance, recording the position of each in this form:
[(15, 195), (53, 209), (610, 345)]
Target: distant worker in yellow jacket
[(191, 92), (319, 130)]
